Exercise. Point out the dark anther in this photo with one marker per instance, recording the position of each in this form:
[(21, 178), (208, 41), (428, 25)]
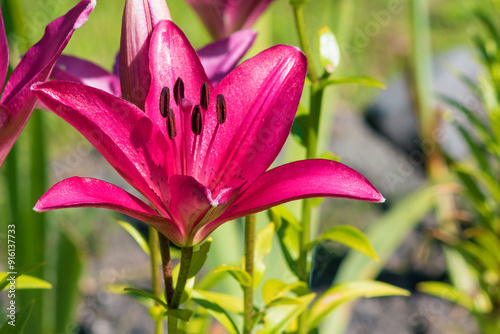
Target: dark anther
[(171, 129), (164, 101), (178, 91), (205, 96), (221, 109), (196, 122)]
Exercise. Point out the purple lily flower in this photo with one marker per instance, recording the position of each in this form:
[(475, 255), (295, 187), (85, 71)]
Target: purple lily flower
[(199, 154), (139, 19), (223, 17), (17, 101)]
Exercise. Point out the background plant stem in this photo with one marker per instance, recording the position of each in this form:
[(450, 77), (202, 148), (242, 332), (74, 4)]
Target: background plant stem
[(154, 246), (250, 222)]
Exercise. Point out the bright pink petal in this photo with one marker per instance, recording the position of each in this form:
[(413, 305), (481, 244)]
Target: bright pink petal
[(70, 68), (120, 131), (4, 52), (262, 97), (220, 57), (298, 180), (35, 66), (79, 192), (139, 19), (171, 56)]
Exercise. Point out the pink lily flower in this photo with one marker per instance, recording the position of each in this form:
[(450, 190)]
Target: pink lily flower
[(17, 101), (223, 17), (198, 153), (132, 78)]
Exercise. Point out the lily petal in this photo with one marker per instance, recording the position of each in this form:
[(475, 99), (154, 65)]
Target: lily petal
[(299, 180), (262, 97), (120, 131), (69, 68), (171, 56), (4, 52), (35, 66), (220, 57), (212, 14), (139, 19), (79, 192), (246, 13)]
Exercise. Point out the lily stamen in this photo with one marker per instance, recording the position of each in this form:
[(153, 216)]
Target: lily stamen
[(204, 96), (164, 101), (221, 109), (178, 91)]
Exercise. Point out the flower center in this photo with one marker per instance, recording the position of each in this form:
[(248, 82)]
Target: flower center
[(186, 150)]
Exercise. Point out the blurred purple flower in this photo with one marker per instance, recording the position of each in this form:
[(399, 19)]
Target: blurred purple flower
[(18, 101), (199, 154), (223, 17)]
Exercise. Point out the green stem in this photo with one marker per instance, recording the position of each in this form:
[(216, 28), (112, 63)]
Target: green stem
[(312, 73), (186, 255), (154, 247), (167, 267), (250, 222)]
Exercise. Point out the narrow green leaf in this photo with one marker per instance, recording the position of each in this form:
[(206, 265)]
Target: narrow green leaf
[(182, 314), (148, 295), (238, 274), (274, 289), (349, 236), (278, 317), (448, 292), (19, 272), (21, 319), (119, 289), (300, 126), (199, 258), (263, 245), (329, 51), (487, 180), (349, 291), (136, 236), (357, 80), (476, 149), (29, 282), (217, 305)]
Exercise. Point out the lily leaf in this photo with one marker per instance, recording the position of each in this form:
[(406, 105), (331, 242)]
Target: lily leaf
[(29, 282), (239, 274), (217, 305), (349, 236), (448, 292), (182, 314), (148, 295), (136, 236), (300, 126), (329, 51), (279, 316), (274, 289), (263, 244), (22, 318), (199, 258), (19, 272), (349, 291), (357, 80)]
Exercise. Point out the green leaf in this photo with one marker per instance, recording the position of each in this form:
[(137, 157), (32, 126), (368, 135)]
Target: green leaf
[(476, 173), (329, 51), (182, 314), (119, 289), (288, 234), (136, 236), (357, 80), (300, 126), (274, 289), (148, 295), (349, 236), (21, 318), (447, 292), (19, 272), (199, 258), (239, 274), (217, 305), (387, 233), (263, 245), (349, 291), (278, 317), (29, 282)]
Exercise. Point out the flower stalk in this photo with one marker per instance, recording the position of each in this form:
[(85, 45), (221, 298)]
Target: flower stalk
[(154, 247), (312, 73), (250, 222), (186, 256)]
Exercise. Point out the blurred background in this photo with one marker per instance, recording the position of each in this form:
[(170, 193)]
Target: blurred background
[(377, 132)]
